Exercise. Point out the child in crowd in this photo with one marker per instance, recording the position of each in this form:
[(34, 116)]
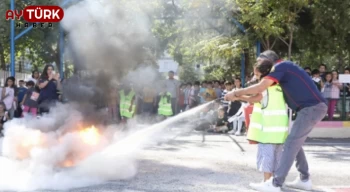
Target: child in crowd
[(202, 91), (29, 102), (221, 125), (3, 117), (164, 106), (331, 91), (8, 96), (209, 94)]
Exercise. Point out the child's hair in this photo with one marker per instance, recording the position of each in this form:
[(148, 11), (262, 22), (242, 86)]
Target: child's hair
[(328, 73), (10, 78), (315, 72), (228, 83), (30, 83), (264, 66), (21, 81)]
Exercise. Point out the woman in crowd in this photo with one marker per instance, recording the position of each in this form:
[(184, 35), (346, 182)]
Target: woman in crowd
[(49, 84), (8, 96), (35, 77), (331, 92)]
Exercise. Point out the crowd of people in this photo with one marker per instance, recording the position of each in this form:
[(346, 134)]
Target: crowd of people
[(33, 96), (328, 83)]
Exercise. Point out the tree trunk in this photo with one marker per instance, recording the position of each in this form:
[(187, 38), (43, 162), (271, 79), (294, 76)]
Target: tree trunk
[(247, 64), (290, 44), (2, 57), (340, 62)]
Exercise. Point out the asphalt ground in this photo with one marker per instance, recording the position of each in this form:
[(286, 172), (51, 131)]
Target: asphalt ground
[(224, 163)]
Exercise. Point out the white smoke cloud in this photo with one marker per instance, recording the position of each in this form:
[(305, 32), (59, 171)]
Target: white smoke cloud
[(32, 157)]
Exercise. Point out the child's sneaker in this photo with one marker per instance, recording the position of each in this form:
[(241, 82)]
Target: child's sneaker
[(267, 187)]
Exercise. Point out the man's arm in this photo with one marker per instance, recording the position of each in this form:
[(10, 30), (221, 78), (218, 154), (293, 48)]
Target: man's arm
[(252, 90), (251, 99)]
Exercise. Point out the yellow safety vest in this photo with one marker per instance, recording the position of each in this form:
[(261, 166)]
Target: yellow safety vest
[(269, 123), (125, 103), (164, 107)]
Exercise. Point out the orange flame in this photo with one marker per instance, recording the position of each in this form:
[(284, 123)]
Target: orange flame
[(90, 135)]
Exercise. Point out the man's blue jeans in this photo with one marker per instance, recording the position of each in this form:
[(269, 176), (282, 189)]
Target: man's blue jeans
[(306, 119)]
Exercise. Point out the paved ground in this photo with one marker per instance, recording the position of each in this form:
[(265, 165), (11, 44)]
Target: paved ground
[(225, 164)]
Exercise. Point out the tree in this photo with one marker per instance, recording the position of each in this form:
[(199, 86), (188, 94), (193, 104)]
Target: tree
[(271, 19), (41, 42)]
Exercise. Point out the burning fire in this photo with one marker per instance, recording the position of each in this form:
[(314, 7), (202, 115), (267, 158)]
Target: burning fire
[(90, 135), (32, 140)]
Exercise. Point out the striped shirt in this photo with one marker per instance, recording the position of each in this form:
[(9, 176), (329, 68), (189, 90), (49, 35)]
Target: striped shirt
[(222, 99)]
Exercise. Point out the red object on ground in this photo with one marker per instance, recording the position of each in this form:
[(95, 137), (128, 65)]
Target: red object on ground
[(248, 110)]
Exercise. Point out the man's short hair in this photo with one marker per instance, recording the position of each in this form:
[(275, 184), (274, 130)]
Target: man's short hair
[(307, 68), (270, 55), (172, 72), (323, 65)]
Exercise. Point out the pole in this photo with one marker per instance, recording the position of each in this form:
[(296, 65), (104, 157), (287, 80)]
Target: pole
[(12, 41), (258, 48), (243, 69), (61, 51)]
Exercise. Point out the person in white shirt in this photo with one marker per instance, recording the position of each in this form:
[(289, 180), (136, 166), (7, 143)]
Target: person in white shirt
[(35, 77), (8, 96)]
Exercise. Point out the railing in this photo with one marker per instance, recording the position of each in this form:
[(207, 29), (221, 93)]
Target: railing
[(19, 76)]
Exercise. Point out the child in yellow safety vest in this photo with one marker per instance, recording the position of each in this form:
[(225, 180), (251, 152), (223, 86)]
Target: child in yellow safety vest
[(164, 105), (268, 124), (127, 103)]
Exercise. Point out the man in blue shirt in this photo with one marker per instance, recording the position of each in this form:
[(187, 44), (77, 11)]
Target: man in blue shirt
[(301, 95)]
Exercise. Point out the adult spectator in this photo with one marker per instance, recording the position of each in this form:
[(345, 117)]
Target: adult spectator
[(345, 93), (49, 84), (302, 96), (173, 86), (323, 69), (8, 96), (35, 77)]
